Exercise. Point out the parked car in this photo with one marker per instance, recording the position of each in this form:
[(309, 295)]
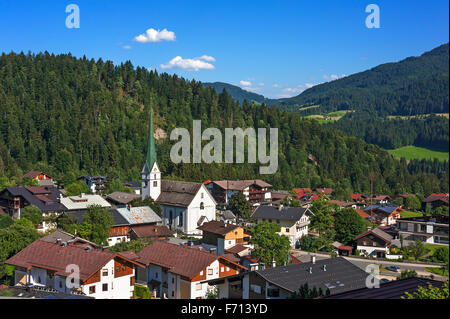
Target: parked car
[(384, 280), (393, 268)]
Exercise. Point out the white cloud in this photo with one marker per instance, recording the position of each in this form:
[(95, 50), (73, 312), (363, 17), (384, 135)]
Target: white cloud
[(206, 58), (276, 86), (127, 47), (194, 64), (333, 77), (261, 84), (152, 35), (245, 83)]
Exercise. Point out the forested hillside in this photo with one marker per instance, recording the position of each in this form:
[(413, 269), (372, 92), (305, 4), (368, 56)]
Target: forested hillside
[(71, 116), (236, 92), (416, 85)]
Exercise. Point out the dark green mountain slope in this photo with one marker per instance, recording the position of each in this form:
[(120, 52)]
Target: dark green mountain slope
[(71, 116), (236, 92), (416, 85)]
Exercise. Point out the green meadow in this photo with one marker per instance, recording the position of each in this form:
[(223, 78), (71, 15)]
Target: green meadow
[(414, 152)]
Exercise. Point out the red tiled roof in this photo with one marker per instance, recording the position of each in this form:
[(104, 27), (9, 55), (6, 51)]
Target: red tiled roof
[(343, 247), (236, 249), (34, 174), (180, 260), (302, 190), (434, 197), (356, 196), (325, 190), (362, 213), (218, 227), (381, 197), (295, 260), (55, 257), (207, 182), (241, 184), (147, 231), (37, 190)]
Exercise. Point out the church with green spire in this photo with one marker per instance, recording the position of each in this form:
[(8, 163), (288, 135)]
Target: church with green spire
[(151, 175)]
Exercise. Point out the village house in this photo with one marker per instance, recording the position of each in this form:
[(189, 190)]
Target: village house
[(325, 191), (121, 199), (293, 221), (176, 272), (41, 178), (15, 199), (279, 196), (150, 232), (336, 274), (184, 205), (382, 199), (429, 229), (83, 201), (435, 201), (383, 215), (255, 191), (95, 183), (231, 234), (344, 204), (374, 243), (134, 186), (102, 274)]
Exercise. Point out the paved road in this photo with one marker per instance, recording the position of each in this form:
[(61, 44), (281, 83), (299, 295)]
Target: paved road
[(363, 263)]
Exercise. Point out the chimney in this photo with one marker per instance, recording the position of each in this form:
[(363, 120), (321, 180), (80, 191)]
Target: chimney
[(280, 207), (324, 267), (313, 259), (310, 270), (58, 240), (274, 264), (82, 195), (262, 266)]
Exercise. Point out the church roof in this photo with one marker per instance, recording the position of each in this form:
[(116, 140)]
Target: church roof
[(177, 193), (151, 150)]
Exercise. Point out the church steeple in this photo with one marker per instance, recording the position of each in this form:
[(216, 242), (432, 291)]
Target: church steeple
[(151, 150), (151, 175)]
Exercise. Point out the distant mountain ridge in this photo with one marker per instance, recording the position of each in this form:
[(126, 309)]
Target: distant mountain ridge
[(236, 92), (415, 85)]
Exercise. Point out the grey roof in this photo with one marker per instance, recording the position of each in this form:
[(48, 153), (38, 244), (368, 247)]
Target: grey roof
[(52, 194), (177, 193), (64, 236), (40, 293), (46, 182), (286, 213), (118, 219), (132, 184), (228, 214), (386, 209), (83, 201), (378, 232), (340, 276), (122, 197), (139, 215), (391, 290)]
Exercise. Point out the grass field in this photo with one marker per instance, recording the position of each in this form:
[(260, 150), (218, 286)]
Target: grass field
[(407, 214), (414, 152), (330, 117), (417, 116)]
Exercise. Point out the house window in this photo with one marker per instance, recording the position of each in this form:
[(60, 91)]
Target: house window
[(229, 242), (39, 279), (105, 272), (155, 183), (201, 273), (228, 268), (287, 230), (170, 217), (60, 284), (201, 195), (117, 269), (278, 221), (198, 286), (173, 280), (222, 269), (173, 294), (105, 287), (180, 220), (92, 290), (270, 220), (131, 281), (210, 271), (202, 205), (124, 267)]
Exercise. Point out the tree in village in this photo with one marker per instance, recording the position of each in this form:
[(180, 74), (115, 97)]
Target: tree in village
[(76, 188), (429, 292), (12, 240), (417, 249), (322, 218), (101, 221), (5, 221), (348, 224), (269, 245), (32, 213), (304, 292), (413, 203), (116, 185), (240, 206)]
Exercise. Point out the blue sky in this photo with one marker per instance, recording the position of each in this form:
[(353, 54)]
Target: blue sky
[(275, 48)]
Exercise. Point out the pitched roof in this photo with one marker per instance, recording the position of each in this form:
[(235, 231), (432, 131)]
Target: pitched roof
[(180, 260), (132, 184), (149, 231), (118, 219), (177, 193), (362, 213), (83, 201), (217, 227), (285, 213), (392, 290), (341, 203), (39, 293), (325, 190), (139, 215), (241, 184), (34, 174), (379, 233), (340, 275), (386, 209), (122, 197), (436, 197), (236, 249), (65, 237), (29, 193), (228, 214), (56, 257)]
